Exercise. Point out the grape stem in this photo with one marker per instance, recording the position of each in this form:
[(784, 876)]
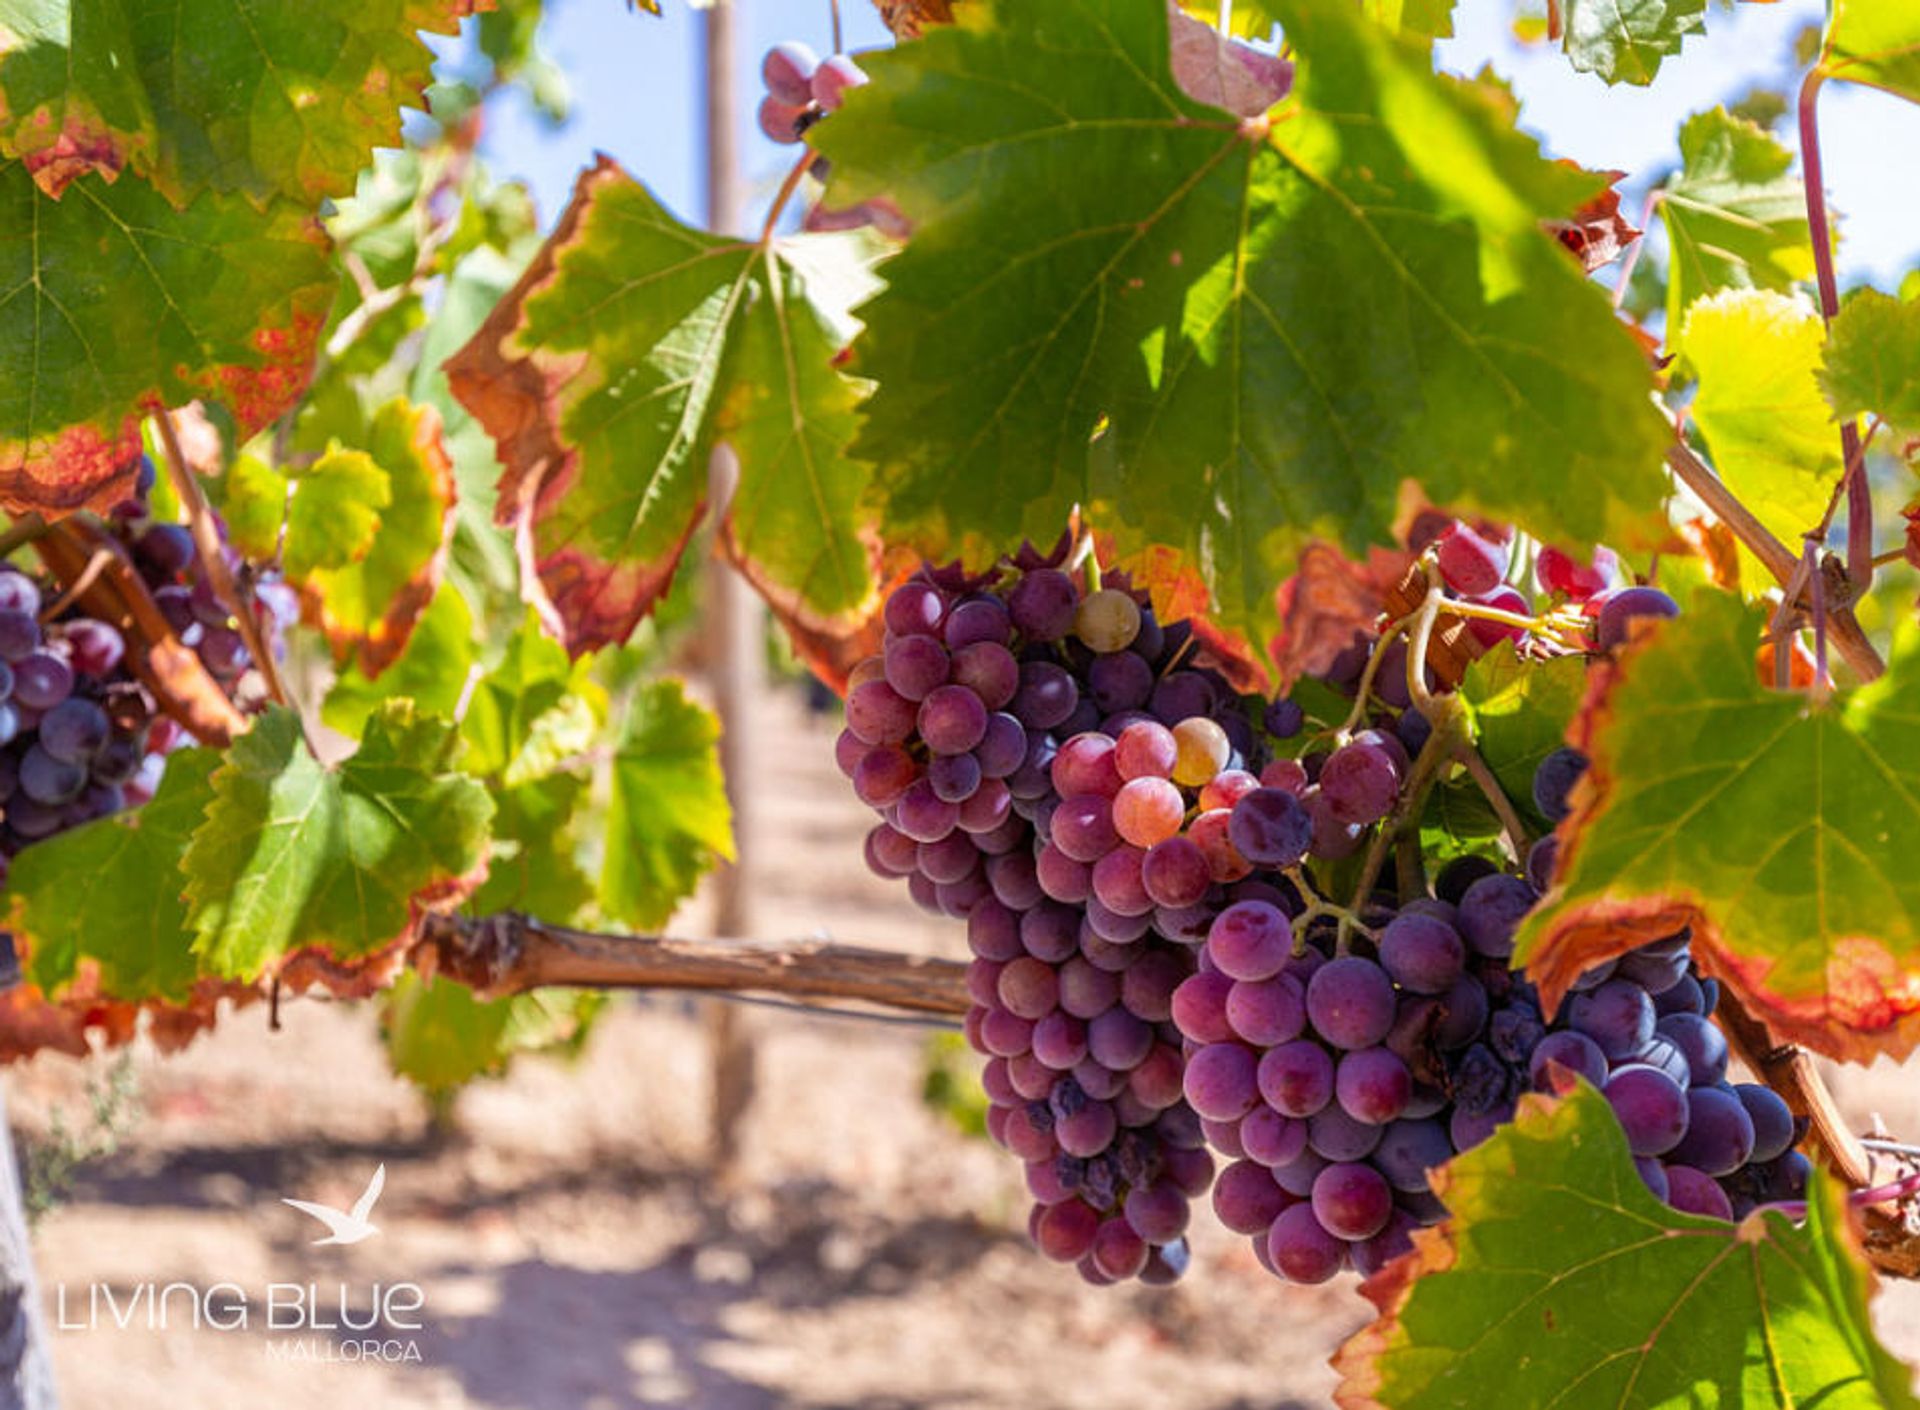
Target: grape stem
[(23, 530), (1469, 758), (1447, 731), (233, 597), (785, 194), (1365, 688), (1318, 906), (97, 564), (1779, 560), (1859, 494)]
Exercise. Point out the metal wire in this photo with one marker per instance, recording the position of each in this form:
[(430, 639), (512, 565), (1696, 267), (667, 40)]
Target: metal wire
[(895, 1020)]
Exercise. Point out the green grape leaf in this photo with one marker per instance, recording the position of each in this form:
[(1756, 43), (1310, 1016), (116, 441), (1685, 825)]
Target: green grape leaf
[(1560, 1279), (117, 303), (1769, 431), (368, 607), (439, 1036), (263, 101), (535, 868), (1875, 42), (630, 349), (335, 512), (1273, 327), (431, 670), (1624, 41), (134, 926), (1520, 711), (1735, 217), (1780, 828), (1872, 360), (530, 712), (293, 853), (668, 821)]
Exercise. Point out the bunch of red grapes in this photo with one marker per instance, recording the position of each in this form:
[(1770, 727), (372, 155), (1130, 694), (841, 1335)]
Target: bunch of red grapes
[(1132, 844)]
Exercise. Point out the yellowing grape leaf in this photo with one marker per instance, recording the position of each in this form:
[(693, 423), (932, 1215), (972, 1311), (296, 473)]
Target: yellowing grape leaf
[(668, 821), (368, 604), (1769, 432), (1872, 362), (296, 854), (114, 304), (1562, 1281), (1735, 217), (632, 348), (1624, 40), (108, 892), (263, 100), (1274, 326), (334, 514), (1782, 830), (1875, 42)]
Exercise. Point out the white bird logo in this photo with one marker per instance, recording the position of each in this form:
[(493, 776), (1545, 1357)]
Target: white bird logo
[(352, 1227)]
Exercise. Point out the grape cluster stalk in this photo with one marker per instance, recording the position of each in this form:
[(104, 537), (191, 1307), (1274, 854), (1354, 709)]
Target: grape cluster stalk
[(1141, 855), (80, 737)]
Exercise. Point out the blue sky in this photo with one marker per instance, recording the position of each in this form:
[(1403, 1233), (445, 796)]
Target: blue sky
[(635, 79)]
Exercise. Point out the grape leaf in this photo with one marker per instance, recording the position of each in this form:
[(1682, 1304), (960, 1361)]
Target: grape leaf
[(368, 606), (135, 928), (265, 101), (1872, 360), (1278, 325), (440, 1036), (535, 867), (334, 514), (292, 853), (1562, 1280), (532, 711), (668, 819), (1769, 431), (1624, 41), (431, 670), (1781, 829), (1520, 712), (1735, 218), (116, 303), (630, 348), (252, 499), (1875, 42)]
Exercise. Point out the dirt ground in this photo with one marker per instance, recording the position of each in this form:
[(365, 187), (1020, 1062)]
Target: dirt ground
[(576, 1253)]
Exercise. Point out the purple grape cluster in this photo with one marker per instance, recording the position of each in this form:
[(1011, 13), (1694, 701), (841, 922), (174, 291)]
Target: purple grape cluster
[(1035, 753), (80, 737), (1155, 972)]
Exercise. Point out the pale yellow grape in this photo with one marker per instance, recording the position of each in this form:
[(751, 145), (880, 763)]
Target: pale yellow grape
[(1201, 750), (1107, 620)]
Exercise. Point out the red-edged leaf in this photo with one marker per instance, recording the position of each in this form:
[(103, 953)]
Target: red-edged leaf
[(631, 351), (1779, 827), (1329, 598), (121, 304)]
